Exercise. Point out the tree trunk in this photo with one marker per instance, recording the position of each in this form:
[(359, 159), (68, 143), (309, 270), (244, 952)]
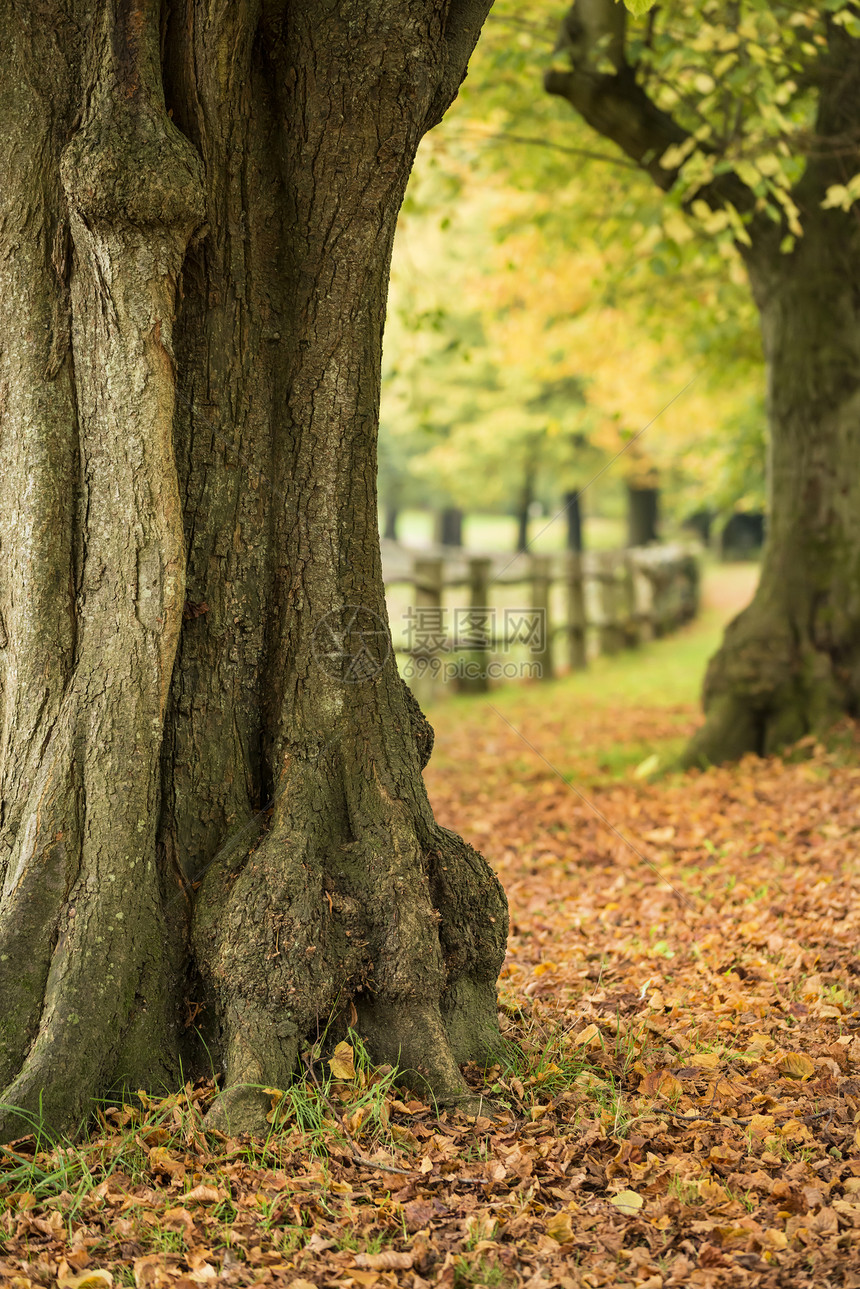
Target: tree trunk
[(212, 804), (642, 515), (790, 663), (451, 526), (527, 496), (573, 510), (392, 514)]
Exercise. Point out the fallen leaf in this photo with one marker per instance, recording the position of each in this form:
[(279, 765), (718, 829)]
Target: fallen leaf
[(161, 1161), (86, 1280), (795, 1065), (386, 1261), (586, 1036), (627, 1201), (342, 1063), (559, 1227), (705, 1060), (205, 1194)]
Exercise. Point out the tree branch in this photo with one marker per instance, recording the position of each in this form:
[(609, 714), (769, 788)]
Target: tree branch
[(505, 136), (462, 28), (616, 106)]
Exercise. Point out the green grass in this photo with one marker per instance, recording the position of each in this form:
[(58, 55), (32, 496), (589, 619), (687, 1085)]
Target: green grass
[(662, 674)]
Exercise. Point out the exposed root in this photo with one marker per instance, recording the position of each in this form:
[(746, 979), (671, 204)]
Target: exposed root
[(766, 687), (414, 937)]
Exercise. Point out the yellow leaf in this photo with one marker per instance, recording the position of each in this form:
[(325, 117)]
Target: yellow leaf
[(277, 1097), (559, 1227), (711, 1191), (161, 1161), (86, 1280), (730, 1233), (586, 1036), (627, 1201), (357, 1118), (795, 1065), (646, 767), (342, 1063), (705, 1060)]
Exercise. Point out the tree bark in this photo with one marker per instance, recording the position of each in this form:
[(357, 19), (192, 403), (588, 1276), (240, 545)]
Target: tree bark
[(790, 662), (212, 804)]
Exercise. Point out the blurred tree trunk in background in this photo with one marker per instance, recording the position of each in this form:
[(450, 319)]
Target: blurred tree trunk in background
[(573, 510), (790, 662), (450, 526), (643, 512)]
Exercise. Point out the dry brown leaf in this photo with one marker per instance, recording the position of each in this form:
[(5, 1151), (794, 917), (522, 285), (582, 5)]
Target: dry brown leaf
[(559, 1227), (203, 1194), (388, 1260), (795, 1065), (161, 1161)]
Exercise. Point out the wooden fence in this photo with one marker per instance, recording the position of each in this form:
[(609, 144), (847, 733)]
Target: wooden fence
[(455, 613)]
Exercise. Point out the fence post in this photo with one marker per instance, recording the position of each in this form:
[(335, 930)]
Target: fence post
[(541, 581), (662, 583), (479, 596), (627, 595), (611, 638), (424, 681), (576, 641)]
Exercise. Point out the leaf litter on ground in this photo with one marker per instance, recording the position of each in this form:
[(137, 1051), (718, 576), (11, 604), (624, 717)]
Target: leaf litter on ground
[(678, 1101)]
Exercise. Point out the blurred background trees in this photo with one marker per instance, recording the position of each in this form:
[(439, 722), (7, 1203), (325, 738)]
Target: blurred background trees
[(550, 315), (615, 268)]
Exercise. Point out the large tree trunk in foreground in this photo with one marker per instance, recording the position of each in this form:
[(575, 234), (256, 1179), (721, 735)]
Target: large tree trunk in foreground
[(214, 826), (790, 663)]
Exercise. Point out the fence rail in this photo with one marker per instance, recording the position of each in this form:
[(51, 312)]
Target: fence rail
[(594, 603)]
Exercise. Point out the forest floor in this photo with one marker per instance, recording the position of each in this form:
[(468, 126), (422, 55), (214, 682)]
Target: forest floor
[(683, 1105)]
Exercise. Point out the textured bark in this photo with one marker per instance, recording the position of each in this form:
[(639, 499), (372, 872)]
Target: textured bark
[(789, 663), (204, 817)]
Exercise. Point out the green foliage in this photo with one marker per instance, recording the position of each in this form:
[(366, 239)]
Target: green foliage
[(547, 302)]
